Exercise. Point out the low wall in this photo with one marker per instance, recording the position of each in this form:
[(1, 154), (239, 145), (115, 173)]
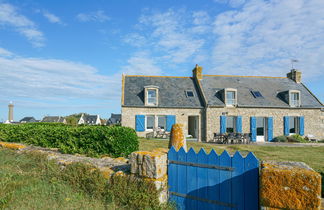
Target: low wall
[(289, 185), (152, 166)]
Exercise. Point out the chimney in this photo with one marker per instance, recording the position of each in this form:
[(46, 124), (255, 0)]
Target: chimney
[(197, 72), (295, 75), (10, 114)]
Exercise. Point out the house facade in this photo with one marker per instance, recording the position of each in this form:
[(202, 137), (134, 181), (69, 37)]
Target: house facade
[(265, 107)]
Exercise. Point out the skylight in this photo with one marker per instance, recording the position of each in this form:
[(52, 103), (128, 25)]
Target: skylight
[(256, 94), (189, 93)]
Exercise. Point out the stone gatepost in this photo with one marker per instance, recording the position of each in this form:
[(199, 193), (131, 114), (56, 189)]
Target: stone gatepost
[(152, 166), (289, 185), (177, 137)]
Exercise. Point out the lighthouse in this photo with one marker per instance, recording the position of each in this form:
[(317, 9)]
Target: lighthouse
[(10, 113)]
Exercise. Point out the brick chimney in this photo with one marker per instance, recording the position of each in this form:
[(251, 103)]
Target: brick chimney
[(197, 72), (295, 75), (10, 113)]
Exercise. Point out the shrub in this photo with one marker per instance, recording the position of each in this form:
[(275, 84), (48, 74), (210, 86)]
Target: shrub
[(280, 139), (133, 193), (297, 138), (90, 140)]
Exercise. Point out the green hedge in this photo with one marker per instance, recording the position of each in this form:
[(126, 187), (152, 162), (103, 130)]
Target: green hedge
[(94, 141)]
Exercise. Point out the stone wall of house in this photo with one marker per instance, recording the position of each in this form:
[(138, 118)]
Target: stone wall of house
[(314, 119), (182, 115)]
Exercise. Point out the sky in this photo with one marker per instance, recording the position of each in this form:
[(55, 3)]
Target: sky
[(64, 57)]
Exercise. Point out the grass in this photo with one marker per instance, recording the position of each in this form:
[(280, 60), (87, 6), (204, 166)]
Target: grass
[(29, 182), (311, 155)]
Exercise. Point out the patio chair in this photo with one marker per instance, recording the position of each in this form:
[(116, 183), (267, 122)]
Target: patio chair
[(231, 138), (246, 138), (239, 138)]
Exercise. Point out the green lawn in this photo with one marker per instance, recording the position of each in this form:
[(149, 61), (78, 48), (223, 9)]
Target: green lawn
[(311, 155), (25, 183)]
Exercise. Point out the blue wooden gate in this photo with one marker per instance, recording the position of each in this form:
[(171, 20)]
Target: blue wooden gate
[(211, 181)]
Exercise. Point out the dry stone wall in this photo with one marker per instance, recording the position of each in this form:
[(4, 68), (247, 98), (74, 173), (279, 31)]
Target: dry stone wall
[(289, 185)]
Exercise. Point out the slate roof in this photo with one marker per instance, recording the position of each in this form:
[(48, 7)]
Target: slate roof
[(271, 88), (90, 119), (28, 119), (53, 119), (114, 119), (171, 91)]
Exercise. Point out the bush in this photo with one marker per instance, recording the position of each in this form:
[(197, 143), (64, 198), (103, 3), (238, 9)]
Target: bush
[(94, 141), (296, 138), (280, 139)]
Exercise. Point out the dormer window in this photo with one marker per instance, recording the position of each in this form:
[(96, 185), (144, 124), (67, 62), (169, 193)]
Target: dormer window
[(294, 98), (151, 95), (230, 97)]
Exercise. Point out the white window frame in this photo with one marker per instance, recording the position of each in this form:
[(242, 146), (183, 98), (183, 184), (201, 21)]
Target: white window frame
[(290, 101), (235, 97), (156, 89)]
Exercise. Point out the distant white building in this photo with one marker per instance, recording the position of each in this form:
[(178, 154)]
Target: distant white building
[(89, 120)]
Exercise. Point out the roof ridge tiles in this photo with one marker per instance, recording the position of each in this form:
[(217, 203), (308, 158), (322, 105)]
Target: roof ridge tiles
[(208, 75)]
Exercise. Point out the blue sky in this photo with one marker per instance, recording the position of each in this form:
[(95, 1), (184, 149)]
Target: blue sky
[(64, 57)]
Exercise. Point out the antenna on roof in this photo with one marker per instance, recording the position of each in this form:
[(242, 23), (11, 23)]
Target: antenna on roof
[(292, 62)]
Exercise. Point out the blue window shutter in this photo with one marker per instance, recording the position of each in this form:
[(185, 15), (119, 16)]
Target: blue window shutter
[(170, 120), (222, 124), (301, 126), (239, 124), (286, 125), (140, 123), (253, 128), (270, 128)]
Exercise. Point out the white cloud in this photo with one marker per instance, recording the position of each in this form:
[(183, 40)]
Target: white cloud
[(5, 53), (231, 3), (141, 64), (97, 16), (262, 37), (54, 79), (172, 34), (9, 16), (51, 17)]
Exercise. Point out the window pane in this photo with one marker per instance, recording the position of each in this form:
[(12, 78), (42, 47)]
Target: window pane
[(292, 124), (260, 126), (230, 97), (150, 122), (190, 94), (230, 123), (151, 96), (162, 122)]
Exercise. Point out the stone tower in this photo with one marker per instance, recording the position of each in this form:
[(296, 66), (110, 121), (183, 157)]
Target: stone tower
[(10, 113)]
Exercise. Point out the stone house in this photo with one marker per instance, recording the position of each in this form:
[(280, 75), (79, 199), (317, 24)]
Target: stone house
[(54, 119), (265, 107), (28, 120)]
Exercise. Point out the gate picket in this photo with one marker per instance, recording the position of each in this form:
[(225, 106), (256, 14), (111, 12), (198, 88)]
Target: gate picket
[(191, 180), (225, 178), (182, 177), (172, 174), (213, 179), (238, 181), (201, 181), (251, 182)]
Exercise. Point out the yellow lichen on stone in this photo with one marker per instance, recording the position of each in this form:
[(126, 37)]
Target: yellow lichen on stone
[(288, 187), (12, 145), (106, 172), (177, 138), (119, 173), (121, 159)]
